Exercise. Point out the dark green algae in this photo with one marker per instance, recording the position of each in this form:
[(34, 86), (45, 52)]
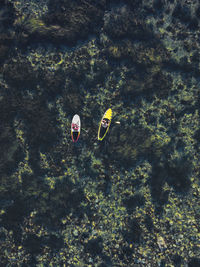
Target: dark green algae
[(133, 199)]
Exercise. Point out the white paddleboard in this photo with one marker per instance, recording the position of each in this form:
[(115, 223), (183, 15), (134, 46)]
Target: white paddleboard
[(75, 128)]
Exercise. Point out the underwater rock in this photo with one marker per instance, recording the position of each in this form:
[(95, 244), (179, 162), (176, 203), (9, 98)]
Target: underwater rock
[(94, 246), (33, 244), (3, 52), (146, 84), (19, 73), (54, 241), (131, 202), (11, 152), (157, 181), (149, 223), (134, 231), (69, 198), (182, 13), (136, 141), (121, 22), (52, 83), (7, 35), (177, 259), (65, 21), (194, 262), (7, 14), (179, 171)]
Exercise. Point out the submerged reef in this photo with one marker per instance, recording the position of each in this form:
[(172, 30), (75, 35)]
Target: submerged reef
[(132, 199)]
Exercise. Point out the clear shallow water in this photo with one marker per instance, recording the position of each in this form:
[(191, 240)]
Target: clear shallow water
[(132, 199)]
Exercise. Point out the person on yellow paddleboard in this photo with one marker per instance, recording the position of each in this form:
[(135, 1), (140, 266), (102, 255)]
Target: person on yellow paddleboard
[(105, 123)]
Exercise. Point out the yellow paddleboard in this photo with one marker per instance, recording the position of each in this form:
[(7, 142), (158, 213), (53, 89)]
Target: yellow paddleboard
[(104, 124)]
